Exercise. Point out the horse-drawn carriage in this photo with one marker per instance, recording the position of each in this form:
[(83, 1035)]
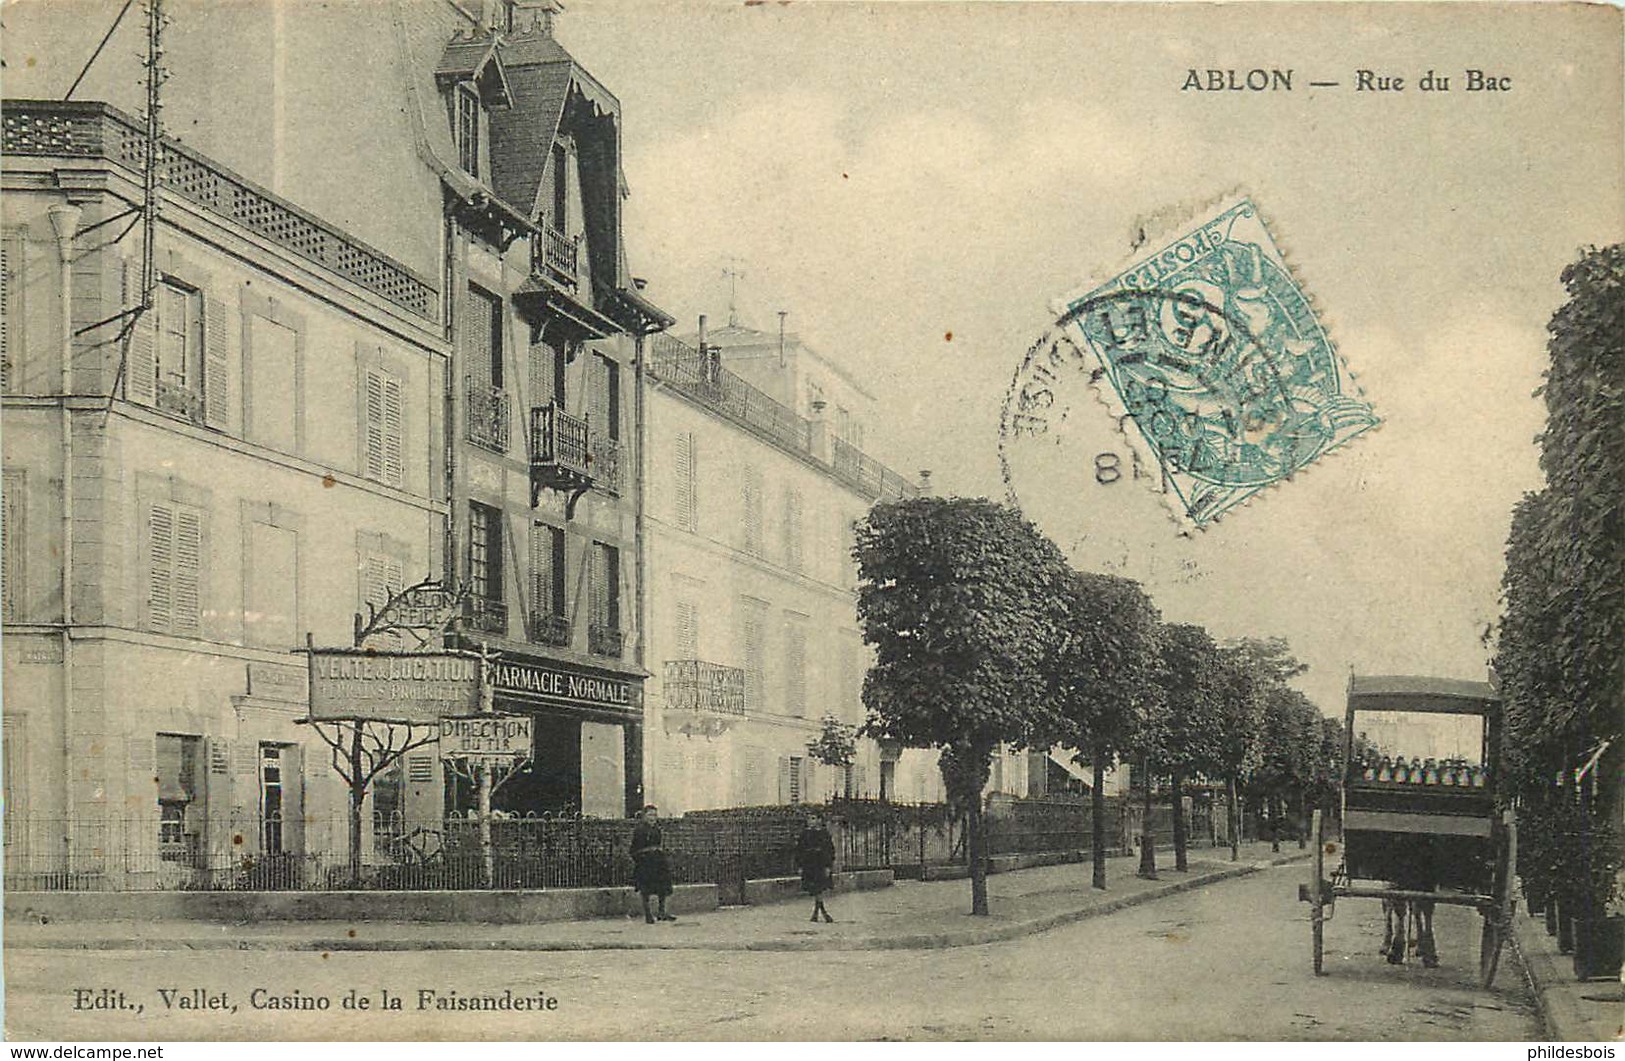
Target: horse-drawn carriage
[(1421, 825)]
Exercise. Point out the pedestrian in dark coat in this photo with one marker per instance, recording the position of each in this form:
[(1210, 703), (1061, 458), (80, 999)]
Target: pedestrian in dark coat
[(651, 872), (815, 852)]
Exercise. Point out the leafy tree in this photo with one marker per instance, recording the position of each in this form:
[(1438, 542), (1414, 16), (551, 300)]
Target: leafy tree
[(1189, 745), (954, 594), (836, 743), (1562, 674), (1103, 672), (1241, 720)]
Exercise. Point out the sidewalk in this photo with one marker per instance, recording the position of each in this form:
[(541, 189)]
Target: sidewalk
[(907, 915), (1572, 1010)]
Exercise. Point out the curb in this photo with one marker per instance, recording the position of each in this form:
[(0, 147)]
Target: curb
[(1560, 1017), (924, 941)]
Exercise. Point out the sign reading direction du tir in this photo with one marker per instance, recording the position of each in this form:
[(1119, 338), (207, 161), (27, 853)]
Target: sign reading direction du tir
[(486, 736)]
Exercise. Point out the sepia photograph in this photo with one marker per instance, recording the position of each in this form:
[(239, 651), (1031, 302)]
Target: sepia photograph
[(729, 520)]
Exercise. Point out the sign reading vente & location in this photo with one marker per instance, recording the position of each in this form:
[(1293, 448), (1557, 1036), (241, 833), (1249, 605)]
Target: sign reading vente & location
[(376, 687), (486, 736)]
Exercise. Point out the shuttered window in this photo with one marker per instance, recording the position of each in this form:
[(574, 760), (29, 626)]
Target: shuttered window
[(11, 302), (606, 397), (483, 335), (11, 749), (753, 635), (382, 576), (13, 544), (686, 636), (174, 567), (606, 589), (792, 779), (685, 474), (547, 568), (546, 374), (795, 667), (383, 428), (751, 490), (793, 547)]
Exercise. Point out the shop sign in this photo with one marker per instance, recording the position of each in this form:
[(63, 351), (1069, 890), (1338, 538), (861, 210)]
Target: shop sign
[(589, 690), (486, 737), (418, 688)]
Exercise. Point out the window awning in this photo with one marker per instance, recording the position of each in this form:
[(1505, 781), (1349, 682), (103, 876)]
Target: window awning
[(1063, 759)]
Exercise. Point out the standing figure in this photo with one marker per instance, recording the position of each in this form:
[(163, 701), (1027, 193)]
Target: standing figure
[(815, 852), (651, 873)]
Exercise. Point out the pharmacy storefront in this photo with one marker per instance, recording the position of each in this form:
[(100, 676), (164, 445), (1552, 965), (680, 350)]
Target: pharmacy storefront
[(587, 726)]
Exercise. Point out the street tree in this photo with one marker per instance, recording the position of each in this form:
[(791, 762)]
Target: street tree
[(1102, 675), (955, 595), (1190, 745), (1241, 721)]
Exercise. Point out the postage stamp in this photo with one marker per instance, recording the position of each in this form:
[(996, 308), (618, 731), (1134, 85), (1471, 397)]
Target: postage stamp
[(1211, 357)]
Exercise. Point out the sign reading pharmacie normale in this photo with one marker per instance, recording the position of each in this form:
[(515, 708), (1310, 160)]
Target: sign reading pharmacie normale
[(419, 688), (580, 688)]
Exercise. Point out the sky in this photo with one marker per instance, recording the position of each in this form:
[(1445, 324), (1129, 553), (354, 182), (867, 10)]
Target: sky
[(915, 183)]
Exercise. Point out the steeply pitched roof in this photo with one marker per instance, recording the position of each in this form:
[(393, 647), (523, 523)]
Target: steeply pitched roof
[(522, 136), (468, 60)]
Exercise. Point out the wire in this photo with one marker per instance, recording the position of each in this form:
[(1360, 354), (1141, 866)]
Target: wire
[(98, 51)]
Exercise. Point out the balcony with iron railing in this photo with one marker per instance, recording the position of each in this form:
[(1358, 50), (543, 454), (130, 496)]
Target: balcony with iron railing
[(605, 640), (561, 456), (485, 615), (701, 377), (868, 476), (708, 688), (558, 255), (487, 415), (549, 628), (87, 129)]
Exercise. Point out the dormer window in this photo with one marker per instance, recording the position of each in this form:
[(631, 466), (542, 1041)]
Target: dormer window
[(469, 114), (471, 76)]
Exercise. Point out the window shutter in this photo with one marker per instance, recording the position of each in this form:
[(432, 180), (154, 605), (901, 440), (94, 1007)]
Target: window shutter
[(374, 427), (393, 469), (141, 363), (13, 542), (685, 474), (160, 567), (188, 571), (216, 365), (753, 659), (753, 509), (688, 630), (547, 568), (792, 529), (10, 321), (601, 585), (795, 669)]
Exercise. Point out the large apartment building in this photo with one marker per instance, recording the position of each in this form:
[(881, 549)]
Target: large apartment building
[(756, 476)]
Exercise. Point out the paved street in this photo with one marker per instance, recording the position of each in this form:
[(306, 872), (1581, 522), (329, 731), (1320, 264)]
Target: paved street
[(1229, 961)]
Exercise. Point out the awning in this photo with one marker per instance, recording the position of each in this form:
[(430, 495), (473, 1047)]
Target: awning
[(1063, 759)]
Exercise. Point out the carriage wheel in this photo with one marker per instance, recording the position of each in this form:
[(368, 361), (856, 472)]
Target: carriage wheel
[(1317, 909), (1498, 918)]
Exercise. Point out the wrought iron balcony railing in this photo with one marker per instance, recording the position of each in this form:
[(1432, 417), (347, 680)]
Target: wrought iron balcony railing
[(75, 129), (867, 475), (486, 615), (701, 377), (605, 640), (179, 399), (548, 628), (487, 416), (606, 463), (560, 456), (696, 685), (559, 254)]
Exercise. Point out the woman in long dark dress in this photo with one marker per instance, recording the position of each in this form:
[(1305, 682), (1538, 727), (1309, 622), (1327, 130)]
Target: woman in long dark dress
[(815, 852), (651, 873)]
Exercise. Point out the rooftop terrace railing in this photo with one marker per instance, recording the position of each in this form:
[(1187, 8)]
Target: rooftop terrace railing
[(702, 377), (72, 129)]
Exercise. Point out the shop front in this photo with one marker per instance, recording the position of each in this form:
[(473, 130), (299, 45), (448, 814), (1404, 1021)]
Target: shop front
[(587, 757)]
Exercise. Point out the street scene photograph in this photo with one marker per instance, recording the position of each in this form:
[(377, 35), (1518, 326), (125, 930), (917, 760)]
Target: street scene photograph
[(616, 520)]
